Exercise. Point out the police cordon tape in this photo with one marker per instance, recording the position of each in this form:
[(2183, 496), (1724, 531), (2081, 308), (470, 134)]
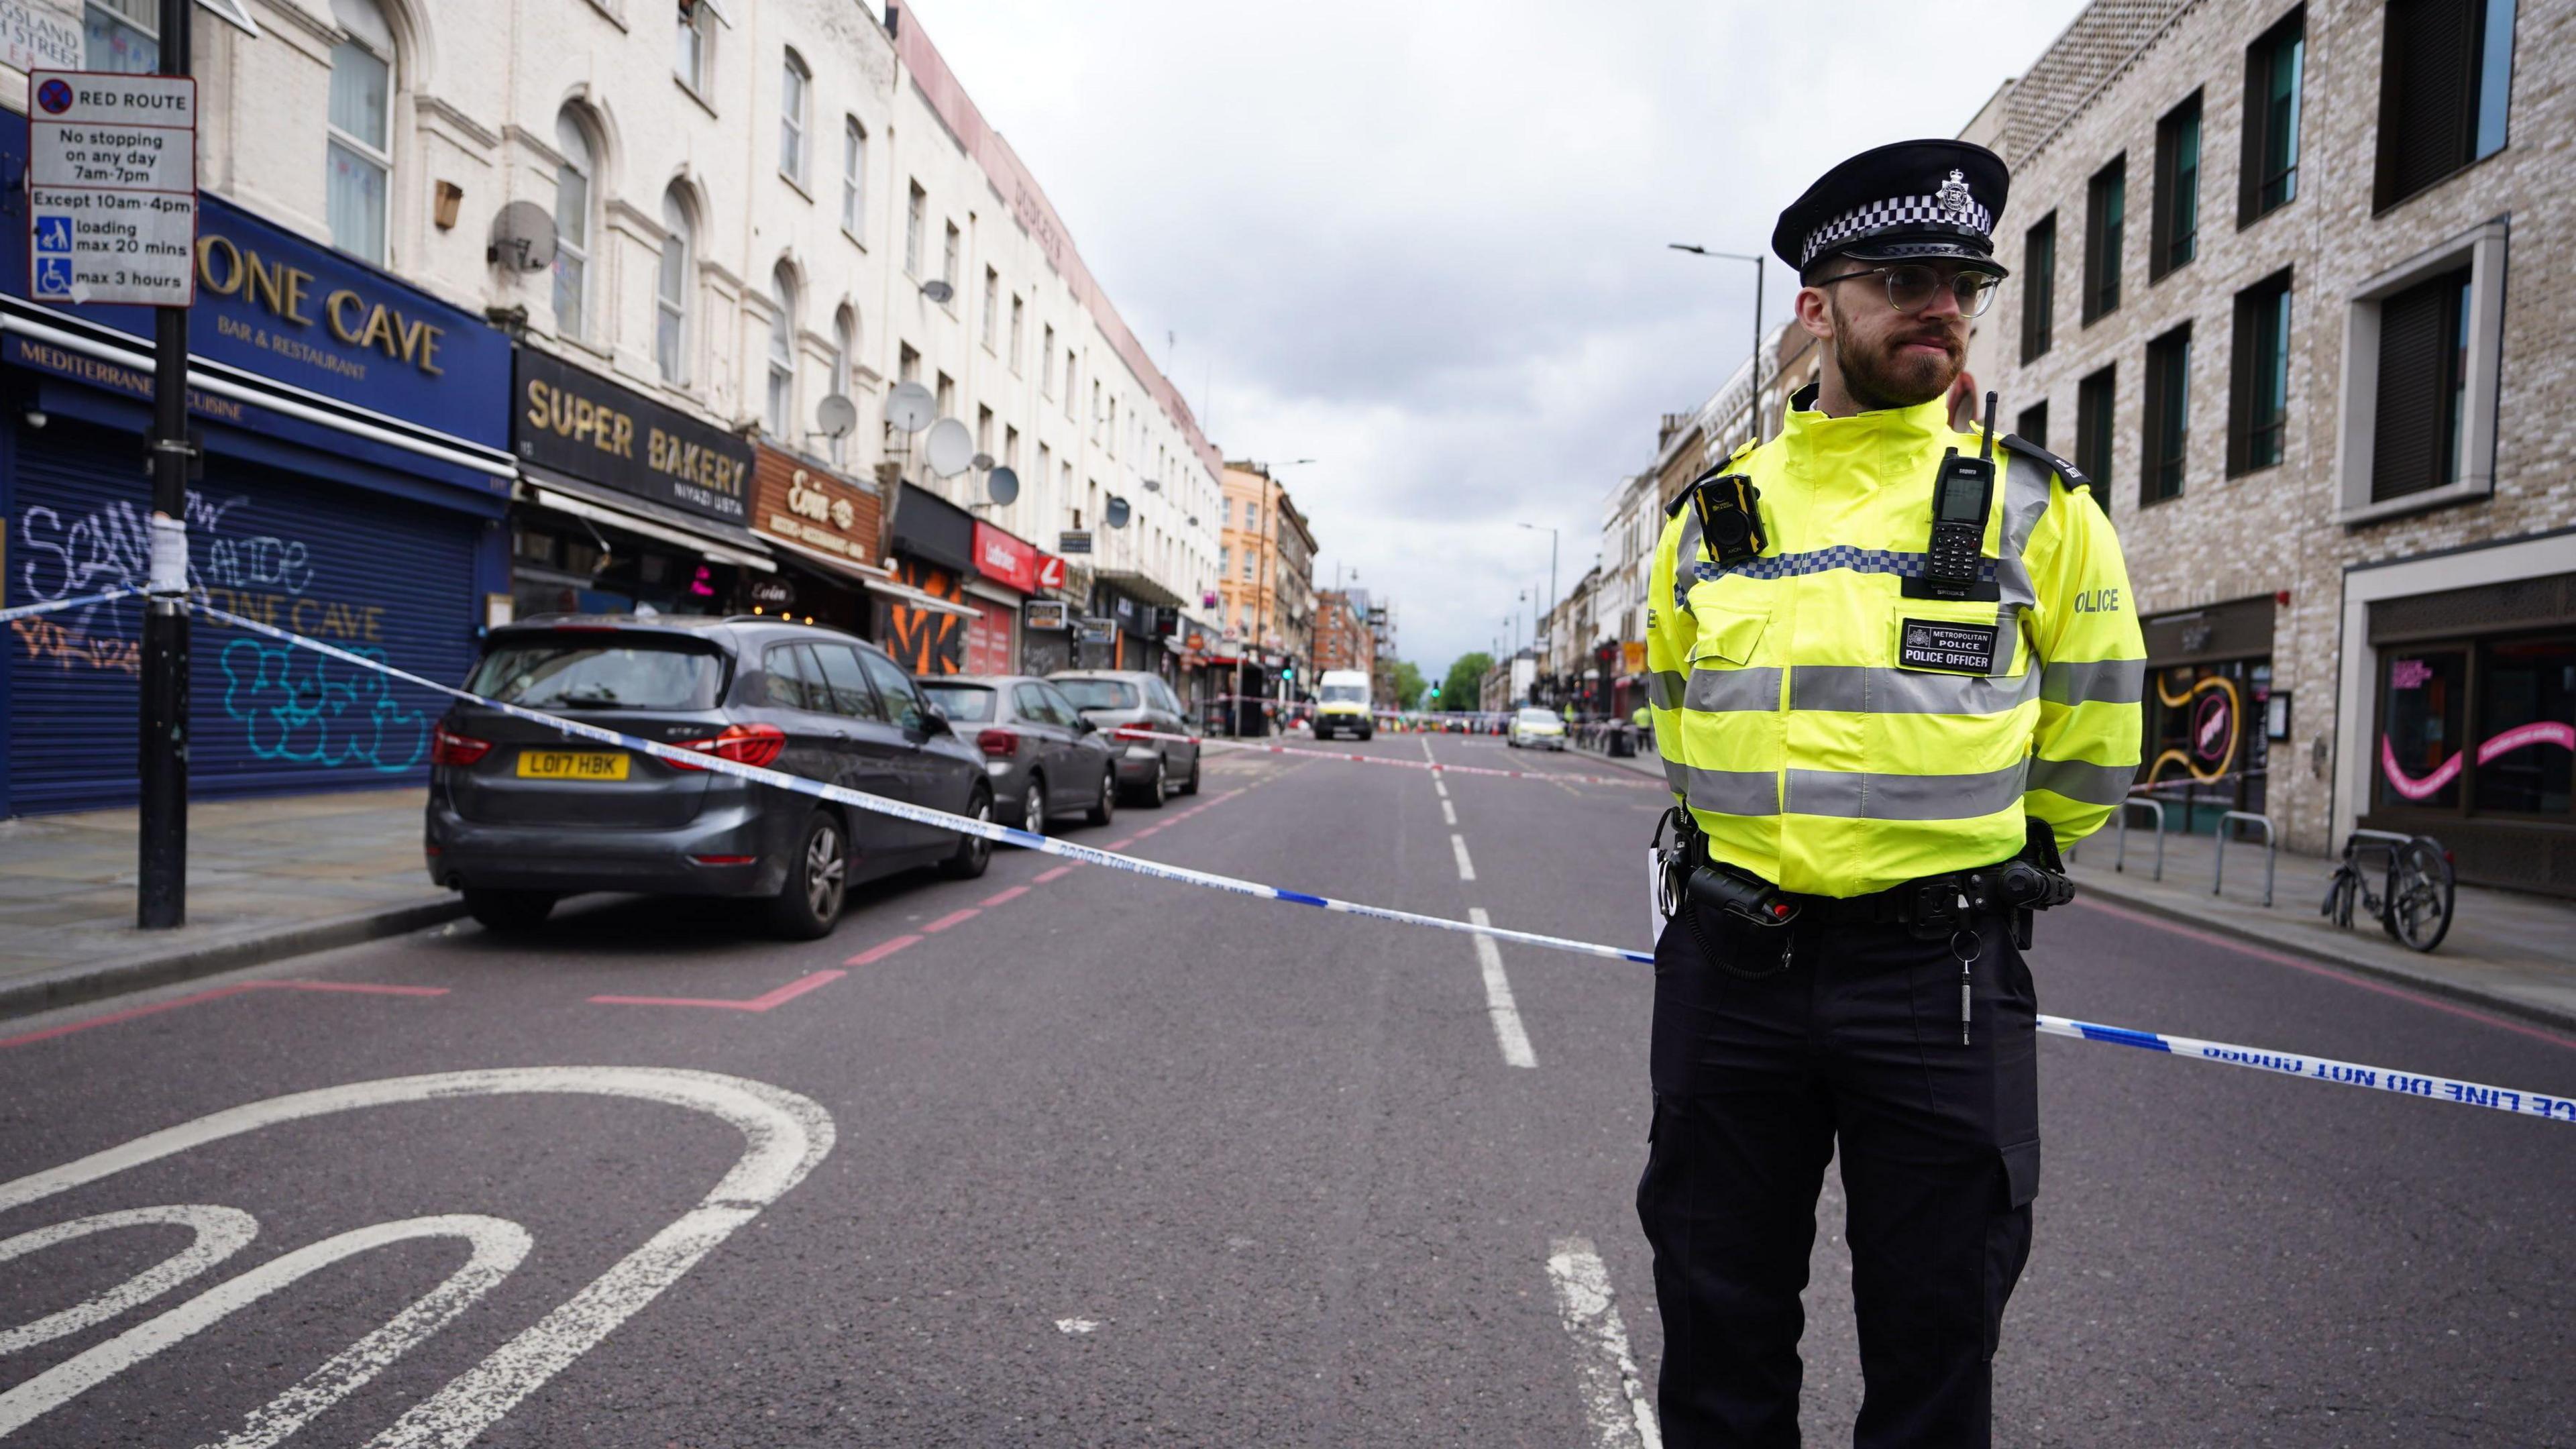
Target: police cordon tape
[(52, 606), (2547, 1105), (1129, 732)]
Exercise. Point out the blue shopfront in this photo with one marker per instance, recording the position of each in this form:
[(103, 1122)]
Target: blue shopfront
[(355, 475)]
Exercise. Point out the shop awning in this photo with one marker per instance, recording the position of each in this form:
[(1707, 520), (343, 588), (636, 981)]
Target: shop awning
[(878, 581), (1142, 587), (720, 542)]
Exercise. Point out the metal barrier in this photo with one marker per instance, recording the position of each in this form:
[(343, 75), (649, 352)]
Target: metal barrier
[(2218, 850), (2120, 857)]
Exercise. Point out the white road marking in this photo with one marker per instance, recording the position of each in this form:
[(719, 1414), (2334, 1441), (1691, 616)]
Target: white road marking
[(1498, 998), (784, 1136), (1448, 813), (498, 1247), (1075, 1325), (1440, 785), (220, 1233), (1614, 1393), (1466, 867)]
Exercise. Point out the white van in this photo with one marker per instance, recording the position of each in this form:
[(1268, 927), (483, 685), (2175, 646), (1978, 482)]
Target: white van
[(1342, 704)]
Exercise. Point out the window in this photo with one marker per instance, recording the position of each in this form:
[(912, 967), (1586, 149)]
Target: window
[(795, 89), (359, 174), (694, 63), (2442, 91), (671, 290), (2166, 438), (2094, 398), (2268, 179), (895, 687), (1098, 410), (1010, 447), (2422, 385), (1070, 391), (780, 417), (845, 682), (786, 686), (943, 394), (948, 255), (2258, 386), (1224, 559), (1019, 330), (2175, 224), (2039, 288), (984, 430), (121, 35), (1046, 361), (916, 210), (1046, 464), (2523, 683), (2033, 424), (572, 222), (907, 363), (854, 176), (2106, 201), (845, 346), (992, 306), (2423, 703)]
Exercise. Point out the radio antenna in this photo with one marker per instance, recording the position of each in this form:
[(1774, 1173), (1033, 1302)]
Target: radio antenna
[(1988, 451)]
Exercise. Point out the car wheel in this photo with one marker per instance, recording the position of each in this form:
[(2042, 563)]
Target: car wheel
[(1105, 809), (974, 852), (808, 906), (1367, 735), (1033, 816), (1157, 789), (1190, 786), (508, 913)]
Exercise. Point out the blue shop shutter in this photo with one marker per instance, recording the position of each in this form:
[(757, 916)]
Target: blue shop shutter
[(372, 574)]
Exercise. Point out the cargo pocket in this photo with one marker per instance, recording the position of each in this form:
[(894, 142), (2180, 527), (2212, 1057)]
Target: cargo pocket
[(2021, 1174), (1727, 635), (2008, 1235)]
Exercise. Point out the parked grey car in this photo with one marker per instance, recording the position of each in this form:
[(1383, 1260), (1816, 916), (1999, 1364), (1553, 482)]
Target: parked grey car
[(1149, 770), (520, 815), (1045, 760)]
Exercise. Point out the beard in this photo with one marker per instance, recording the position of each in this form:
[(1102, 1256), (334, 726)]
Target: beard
[(1886, 376)]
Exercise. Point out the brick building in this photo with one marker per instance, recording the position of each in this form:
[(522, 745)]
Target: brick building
[(2260, 294), (1343, 638)]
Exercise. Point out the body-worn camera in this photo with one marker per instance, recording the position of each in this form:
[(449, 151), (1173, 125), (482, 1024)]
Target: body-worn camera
[(1730, 517)]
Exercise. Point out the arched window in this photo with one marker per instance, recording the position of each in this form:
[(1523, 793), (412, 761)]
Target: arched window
[(845, 347), (672, 289), (573, 193), (361, 162), (854, 175), (782, 355), (795, 87)]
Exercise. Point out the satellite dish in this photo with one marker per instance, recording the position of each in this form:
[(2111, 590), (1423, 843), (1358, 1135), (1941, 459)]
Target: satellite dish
[(1153, 485), (523, 238), (983, 461), (1194, 520), (1115, 515), (1002, 486), (951, 448), (938, 291), (836, 415), (910, 407)]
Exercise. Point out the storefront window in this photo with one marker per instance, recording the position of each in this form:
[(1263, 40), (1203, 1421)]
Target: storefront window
[(2423, 696), (2527, 726)]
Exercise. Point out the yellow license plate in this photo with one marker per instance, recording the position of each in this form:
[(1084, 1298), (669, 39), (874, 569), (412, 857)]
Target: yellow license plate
[(572, 765)]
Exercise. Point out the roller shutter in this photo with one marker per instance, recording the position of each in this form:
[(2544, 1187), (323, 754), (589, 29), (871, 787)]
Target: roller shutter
[(370, 573)]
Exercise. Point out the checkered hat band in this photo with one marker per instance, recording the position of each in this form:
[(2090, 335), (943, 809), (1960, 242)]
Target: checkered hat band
[(1904, 211)]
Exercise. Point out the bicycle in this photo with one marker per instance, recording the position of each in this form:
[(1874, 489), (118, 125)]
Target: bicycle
[(2418, 891)]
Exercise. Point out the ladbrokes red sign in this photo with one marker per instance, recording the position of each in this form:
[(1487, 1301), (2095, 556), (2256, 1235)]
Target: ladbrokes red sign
[(1005, 559)]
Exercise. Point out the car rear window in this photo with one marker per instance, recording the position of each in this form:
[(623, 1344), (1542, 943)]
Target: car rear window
[(1098, 693), (573, 673), (963, 703)]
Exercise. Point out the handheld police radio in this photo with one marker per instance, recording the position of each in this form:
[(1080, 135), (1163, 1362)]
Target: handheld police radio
[(1963, 493)]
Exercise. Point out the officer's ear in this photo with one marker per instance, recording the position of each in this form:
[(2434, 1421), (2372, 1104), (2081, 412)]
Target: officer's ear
[(1816, 312)]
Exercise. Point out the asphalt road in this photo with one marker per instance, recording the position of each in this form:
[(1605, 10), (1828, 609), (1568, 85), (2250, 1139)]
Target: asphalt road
[(1066, 1157)]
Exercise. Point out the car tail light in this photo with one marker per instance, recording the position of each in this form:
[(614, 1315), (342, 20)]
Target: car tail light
[(751, 744), (447, 747), (998, 743), (724, 859)]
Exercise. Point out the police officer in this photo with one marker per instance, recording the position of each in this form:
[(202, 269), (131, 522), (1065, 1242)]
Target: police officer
[(1889, 681)]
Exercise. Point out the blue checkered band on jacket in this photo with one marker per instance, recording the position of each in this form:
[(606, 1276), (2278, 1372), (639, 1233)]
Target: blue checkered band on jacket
[(1911, 212), (1792, 565)]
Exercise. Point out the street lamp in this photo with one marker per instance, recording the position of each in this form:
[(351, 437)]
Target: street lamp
[(1755, 408), (1551, 561)]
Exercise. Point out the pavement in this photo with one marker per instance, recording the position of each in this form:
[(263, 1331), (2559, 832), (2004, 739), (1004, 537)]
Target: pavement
[(1068, 1157), (267, 879)]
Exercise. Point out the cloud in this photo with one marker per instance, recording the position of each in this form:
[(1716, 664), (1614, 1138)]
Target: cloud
[(1424, 243)]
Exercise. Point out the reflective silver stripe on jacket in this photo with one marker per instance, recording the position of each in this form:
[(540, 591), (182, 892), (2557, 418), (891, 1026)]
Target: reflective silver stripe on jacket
[(2025, 499), (1868, 689), (1664, 689), (2082, 779), (1732, 691), (1855, 796), (2101, 681), (1733, 792), (1677, 775)]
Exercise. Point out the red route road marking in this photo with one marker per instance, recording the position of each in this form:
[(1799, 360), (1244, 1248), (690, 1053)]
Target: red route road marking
[(788, 992), (951, 919), (358, 988), (880, 951), (1059, 873), (1014, 893)]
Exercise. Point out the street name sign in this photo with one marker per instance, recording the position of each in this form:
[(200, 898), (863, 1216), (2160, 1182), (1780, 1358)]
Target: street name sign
[(112, 188), (30, 37)]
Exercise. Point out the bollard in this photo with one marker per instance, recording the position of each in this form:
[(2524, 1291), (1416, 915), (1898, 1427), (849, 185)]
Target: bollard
[(2218, 852)]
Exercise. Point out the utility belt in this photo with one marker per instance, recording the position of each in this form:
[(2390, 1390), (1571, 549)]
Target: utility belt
[(1943, 907)]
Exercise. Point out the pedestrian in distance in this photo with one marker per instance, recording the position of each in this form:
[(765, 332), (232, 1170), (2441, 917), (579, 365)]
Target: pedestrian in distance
[(1893, 671)]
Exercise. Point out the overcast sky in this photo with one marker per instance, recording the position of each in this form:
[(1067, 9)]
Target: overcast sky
[(1424, 244)]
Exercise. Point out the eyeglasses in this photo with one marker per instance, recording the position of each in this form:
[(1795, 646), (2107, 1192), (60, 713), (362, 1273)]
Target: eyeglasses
[(1910, 286)]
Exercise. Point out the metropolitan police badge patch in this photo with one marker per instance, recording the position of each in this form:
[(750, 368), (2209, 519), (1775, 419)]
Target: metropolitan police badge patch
[(1951, 648)]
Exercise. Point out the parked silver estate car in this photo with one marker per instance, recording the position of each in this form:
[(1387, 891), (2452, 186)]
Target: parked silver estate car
[(1149, 770), (1045, 760)]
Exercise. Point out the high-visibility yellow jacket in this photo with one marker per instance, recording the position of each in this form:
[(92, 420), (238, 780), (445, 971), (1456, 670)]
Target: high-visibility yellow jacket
[(1819, 751)]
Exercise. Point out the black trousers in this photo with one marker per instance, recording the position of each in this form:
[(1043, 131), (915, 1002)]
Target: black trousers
[(1757, 1083)]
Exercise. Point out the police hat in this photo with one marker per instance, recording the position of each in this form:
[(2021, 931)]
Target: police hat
[(1908, 201)]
